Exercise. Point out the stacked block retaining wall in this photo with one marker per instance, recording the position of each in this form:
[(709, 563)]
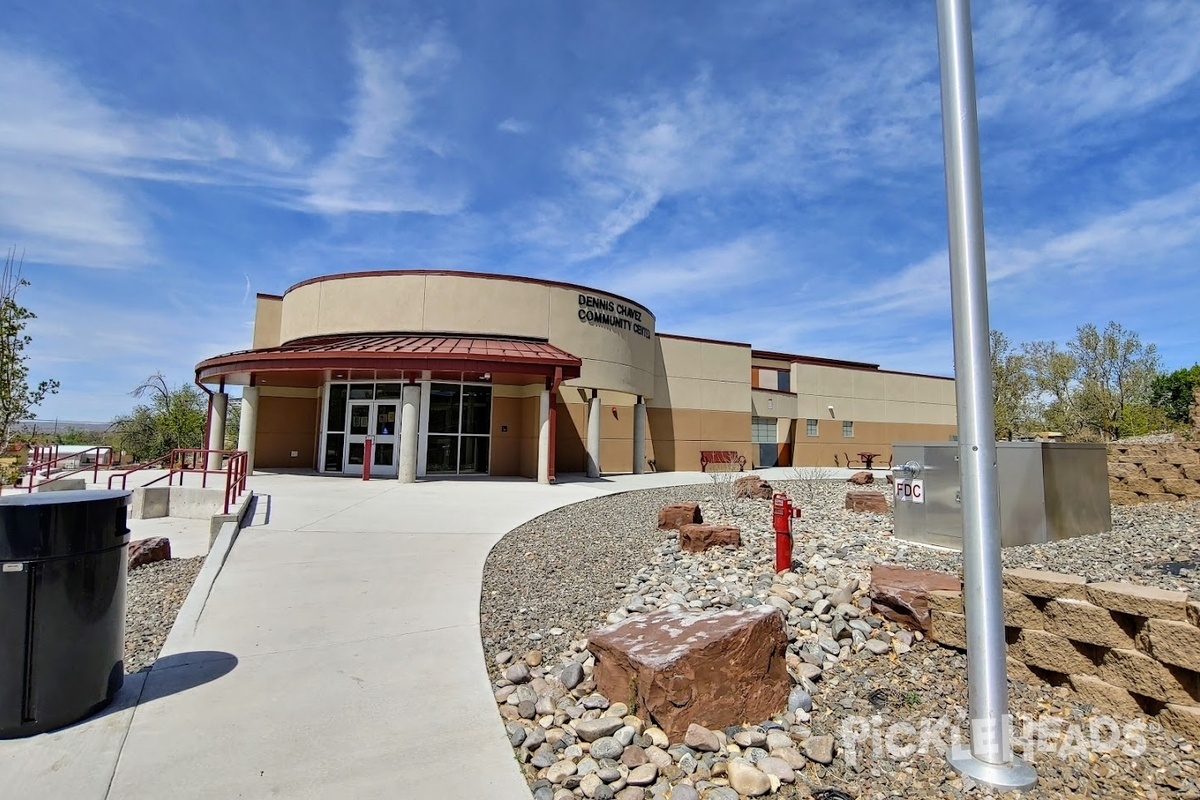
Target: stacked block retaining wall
[(1153, 473), (1120, 647)]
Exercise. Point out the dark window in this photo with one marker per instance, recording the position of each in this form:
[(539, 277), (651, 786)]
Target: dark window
[(336, 420), (474, 455), (362, 392), (477, 409), (334, 451), (441, 456), (444, 399), (388, 391)]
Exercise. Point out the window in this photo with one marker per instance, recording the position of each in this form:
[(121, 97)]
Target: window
[(762, 430), (785, 381), (811, 428), (847, 429)]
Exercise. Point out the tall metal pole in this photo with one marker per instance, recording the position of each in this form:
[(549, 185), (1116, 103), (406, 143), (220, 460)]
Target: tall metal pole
[(990, 759)]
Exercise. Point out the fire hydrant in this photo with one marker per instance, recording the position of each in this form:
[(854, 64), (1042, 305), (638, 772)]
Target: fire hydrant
[(783, 511)]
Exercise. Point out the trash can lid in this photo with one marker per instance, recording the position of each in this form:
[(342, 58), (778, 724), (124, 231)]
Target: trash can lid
[(68, 496)]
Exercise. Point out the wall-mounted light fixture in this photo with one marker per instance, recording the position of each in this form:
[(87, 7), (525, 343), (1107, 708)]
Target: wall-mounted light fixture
[(830, 412)]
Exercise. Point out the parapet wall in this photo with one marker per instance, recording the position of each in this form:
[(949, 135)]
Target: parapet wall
[(1122, 648), (1153, 473)]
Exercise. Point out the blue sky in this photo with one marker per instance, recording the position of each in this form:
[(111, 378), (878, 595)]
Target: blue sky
[(766, 172)]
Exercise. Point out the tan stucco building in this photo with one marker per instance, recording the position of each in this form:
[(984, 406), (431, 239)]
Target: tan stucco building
[(445, 373)]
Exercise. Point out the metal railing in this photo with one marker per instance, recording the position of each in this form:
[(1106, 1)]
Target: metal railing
[(193, 461), (46, 457)]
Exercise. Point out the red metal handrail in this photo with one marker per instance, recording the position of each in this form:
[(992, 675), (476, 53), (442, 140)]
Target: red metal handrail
[(235, 470), (38, 466)]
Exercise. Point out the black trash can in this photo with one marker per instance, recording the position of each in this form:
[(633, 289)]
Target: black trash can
[(63, 566)]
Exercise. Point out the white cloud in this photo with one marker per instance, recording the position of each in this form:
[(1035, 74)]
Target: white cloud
[(514, 126), (1041, 63), (375, 167), (722, 272)]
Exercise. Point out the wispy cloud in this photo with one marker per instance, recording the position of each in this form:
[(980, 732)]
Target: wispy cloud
[(714, 272), (379, 166), (514, 126), (1046, 63)]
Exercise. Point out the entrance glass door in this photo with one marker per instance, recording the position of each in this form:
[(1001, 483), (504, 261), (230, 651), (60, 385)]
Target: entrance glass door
[(377, 420), (360, 428), (383, 461)]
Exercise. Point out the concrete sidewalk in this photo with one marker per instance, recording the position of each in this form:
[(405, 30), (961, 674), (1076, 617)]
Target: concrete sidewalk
[(337, 655)]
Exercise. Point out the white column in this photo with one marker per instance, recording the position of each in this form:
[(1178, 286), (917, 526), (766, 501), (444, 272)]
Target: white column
[(216, 428), (639, 436), (593, 436), (543, 467), (410, 403), (248, 427)]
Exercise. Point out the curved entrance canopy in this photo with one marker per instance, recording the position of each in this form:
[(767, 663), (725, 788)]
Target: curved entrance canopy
[(311, 361)]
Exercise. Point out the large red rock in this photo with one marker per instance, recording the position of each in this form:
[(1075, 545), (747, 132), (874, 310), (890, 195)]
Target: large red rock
[(698, 538), (861, 478), (867, 500), (712, 669), (148, 551), (676, 515), (902, 594), (753, 487)]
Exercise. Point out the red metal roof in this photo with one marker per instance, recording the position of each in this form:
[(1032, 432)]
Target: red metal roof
[(398, 351)]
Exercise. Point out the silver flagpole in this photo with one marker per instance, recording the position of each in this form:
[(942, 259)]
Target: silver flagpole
[(990, 758)]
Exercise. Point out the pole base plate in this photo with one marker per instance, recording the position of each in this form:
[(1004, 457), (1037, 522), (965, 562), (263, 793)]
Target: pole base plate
[(1017, 775)]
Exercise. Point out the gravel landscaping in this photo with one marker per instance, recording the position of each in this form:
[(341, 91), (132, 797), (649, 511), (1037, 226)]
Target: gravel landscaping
[(154, 594), (555, 579)]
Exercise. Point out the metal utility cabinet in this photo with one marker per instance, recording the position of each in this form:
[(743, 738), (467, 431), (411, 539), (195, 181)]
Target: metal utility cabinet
[(1048, 491), (63, 567)]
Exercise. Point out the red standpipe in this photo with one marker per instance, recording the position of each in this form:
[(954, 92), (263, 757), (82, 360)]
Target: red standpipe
[(782, 514), (368, 445)]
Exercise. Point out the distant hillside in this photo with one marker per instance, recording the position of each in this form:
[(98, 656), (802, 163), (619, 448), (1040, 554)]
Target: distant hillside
[(60, 425)]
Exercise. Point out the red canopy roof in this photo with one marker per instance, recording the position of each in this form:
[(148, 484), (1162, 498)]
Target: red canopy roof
[(398, 351)]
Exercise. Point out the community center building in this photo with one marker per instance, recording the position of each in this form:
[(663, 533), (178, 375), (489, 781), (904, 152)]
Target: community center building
[(434, 373)]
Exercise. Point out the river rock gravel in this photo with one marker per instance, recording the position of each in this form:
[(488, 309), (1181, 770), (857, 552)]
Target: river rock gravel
[(856, 677), (154, 595)]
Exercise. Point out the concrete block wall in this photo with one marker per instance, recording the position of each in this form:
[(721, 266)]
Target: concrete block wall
[(1153, 473), (1120, 647)]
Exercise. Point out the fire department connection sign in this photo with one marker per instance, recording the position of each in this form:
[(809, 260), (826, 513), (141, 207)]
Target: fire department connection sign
[(910, 491)]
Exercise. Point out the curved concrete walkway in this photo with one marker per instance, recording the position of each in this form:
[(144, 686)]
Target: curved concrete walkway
[(338, 655)]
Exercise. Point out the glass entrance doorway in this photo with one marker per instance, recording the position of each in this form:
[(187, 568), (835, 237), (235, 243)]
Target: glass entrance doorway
[(454, 429), (354, 412), (378, 421)]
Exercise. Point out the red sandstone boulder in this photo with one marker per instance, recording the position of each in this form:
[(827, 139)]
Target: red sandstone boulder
[(676, 515), (698, 538), (861, 478), (753, 487), (866, 500), (147, 551), (713, 669), (902, 595)]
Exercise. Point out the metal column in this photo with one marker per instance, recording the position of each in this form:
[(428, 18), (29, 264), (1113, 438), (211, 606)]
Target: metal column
[(990, 759)]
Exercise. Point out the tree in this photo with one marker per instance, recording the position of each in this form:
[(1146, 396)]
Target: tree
[(1099, 386), (17, 398), (233, 423), (1012, 387), (174, 418), (1172, 392)]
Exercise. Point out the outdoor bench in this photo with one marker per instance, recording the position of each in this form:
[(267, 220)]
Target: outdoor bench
[(721, 457)]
